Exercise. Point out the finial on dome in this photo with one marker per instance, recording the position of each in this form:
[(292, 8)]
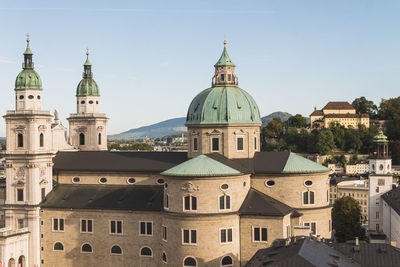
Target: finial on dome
[(87, 51), (27, 39), (224, 40)]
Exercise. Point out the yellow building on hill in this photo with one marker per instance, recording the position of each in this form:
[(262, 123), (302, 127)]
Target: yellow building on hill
[(338, 112)]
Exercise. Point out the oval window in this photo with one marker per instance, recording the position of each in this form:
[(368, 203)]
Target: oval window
[(244, 184), (160, 181), (308, 183), (131, 180), (224, 186), (103, 180), (97, 102), (38, 97), (381, 167), (82, 102), (76, 179), (21, 97), (30, 97), (90, 102), (270, 183)]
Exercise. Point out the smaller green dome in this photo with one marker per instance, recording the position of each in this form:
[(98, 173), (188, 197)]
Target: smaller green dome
[(28, 79), (87, 86), (223, 105), (224, 60), (380, 137)]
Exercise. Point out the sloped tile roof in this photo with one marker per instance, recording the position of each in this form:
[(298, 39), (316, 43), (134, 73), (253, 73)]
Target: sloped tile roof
[(338, 105)]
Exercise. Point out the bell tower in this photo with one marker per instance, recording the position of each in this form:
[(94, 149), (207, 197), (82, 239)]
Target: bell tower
[(380, 180), (88, 127), (28, 166)]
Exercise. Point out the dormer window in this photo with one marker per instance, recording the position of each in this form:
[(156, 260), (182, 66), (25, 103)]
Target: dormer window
[(222, 77), (229, 77), (215, 144)]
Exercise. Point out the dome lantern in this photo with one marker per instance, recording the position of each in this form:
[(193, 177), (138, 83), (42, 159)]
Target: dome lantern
[(87, 86), (224, 71)]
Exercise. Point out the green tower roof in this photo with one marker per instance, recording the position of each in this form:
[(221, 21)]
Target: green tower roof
[(223, 105), (380, 137), (224, 60), (28, 79), (298, 164), (87, 86), (201, 166)]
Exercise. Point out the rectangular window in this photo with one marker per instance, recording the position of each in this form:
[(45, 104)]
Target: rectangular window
[(313, 227), (146, 228), (190, 203), (229, 77), (288, 231), (381, 182), (166, 201), (215, 144), (43, 193), (20, 194), (377, 215), (195, 148), (164, 233), (222, 77), (116, 227), (260, 234), (226, 235), (308, 197), (255, 143), (58, 225), (377, 227), (239, 143), (86, 226), (20, 223), (225, 202), (189, 236)]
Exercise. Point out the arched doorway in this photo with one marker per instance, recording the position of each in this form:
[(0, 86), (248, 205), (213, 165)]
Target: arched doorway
[(11, 262), (21, 261)]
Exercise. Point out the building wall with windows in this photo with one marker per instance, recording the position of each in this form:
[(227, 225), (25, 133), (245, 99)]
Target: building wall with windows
[(357, 189)]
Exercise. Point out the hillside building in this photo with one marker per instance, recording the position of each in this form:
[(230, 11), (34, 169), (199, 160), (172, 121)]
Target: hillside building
[(215, 205), (338, 112)]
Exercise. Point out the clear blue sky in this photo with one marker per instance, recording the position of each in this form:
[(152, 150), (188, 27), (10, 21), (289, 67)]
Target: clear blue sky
[(150, 58)]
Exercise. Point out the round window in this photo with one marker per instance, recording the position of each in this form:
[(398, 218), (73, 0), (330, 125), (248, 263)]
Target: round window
[(38, 97), (21, 97), (160, 181), (270, 183), (30, 97), (131, 180), (224, 186), (82, 102), (97, 102), (308, 183), (381, 167), (76, 180), (90, 102), (103, 180)]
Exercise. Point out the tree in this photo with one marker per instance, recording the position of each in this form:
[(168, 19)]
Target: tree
[(324, 141), (273, 129), (364, 106), (389, 109), (346, 215), (297, 121)]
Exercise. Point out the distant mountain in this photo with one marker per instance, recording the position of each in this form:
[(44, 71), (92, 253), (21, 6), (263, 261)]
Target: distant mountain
[(284, 116), (177, 125), (160, 129)]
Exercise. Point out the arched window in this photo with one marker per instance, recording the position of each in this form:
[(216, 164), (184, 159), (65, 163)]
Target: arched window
[(58, 246), (99, 138), (224, 202), (20, 140), (227, 261), (116, 250), (41, 140), (164, 257), (189, 261), (146, 251), (81, 139), (87, 248)]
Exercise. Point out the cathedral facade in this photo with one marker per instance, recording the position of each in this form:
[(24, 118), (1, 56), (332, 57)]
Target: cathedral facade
[(70, 202)]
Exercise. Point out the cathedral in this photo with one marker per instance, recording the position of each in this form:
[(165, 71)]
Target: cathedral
[(70, 202)]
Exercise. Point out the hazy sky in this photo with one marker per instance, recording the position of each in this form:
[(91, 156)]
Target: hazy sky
[(150, 58)]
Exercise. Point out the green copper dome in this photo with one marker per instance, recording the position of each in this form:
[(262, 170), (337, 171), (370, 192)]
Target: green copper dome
[(223, 105), (380, 137), (87, 86), (28, 77)]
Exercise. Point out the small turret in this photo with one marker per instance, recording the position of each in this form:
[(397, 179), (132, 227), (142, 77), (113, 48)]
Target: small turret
[(224, 71), (381, 148)]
